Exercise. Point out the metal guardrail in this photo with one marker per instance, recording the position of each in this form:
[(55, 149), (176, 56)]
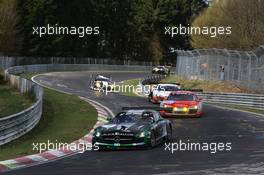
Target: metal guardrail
[(6, 62), (255, 101), (14, 126), (77, 67)]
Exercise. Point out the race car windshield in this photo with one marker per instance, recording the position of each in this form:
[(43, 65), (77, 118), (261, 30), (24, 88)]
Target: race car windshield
[(181, 97), (168, 88), (131, 118), (102, 79)]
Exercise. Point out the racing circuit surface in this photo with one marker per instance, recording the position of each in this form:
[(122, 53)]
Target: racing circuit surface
[(244, 131)]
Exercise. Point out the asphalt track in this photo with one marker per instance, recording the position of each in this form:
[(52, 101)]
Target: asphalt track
[(244, 131)]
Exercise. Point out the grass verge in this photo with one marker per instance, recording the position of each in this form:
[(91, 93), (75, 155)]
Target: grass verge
[(207, 86), (130, 87), (65, 118), (11, 101)]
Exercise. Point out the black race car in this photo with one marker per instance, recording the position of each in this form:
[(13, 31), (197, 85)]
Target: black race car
[(133, 128)]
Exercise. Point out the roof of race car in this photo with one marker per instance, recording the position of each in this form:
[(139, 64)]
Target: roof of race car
[(183, 92), (139, 111), (168, 85), (101, 77)]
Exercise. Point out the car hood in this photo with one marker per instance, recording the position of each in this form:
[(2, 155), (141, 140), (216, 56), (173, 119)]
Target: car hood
[(180, 103), (163, 93), (124, 127)]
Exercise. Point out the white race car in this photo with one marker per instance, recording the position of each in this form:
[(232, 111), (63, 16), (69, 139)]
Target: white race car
[(101, 83), (161, 70), (162, 91)]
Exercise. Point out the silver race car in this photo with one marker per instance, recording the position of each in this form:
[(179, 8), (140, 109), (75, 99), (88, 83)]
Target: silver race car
[(101, 83)]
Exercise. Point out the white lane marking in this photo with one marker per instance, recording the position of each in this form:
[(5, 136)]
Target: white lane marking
[(62, 85), (37, 158), (9, 162), (41, 84)]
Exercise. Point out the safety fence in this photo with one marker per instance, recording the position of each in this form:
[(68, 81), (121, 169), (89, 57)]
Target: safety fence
[(14, 126), (245, 69)]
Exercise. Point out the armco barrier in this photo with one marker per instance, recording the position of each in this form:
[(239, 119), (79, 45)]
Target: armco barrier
[(255, 101), (14, 126), (77, 67), (6, 62)]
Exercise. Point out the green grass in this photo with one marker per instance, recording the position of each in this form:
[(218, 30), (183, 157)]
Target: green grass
[(207, 86), (11, 101), (128, 91), (29, 75), (65, 118)]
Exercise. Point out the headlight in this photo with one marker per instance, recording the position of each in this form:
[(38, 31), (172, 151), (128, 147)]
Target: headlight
[(142, 134), (165, 106), (97, 134), (97, 84), (194, 107), (185, 109)]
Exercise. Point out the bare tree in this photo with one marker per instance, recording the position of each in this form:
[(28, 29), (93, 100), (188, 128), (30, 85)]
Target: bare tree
[(245, 17), (8, 21)]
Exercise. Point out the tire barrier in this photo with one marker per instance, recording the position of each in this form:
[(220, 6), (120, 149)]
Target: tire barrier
[(16, 125)]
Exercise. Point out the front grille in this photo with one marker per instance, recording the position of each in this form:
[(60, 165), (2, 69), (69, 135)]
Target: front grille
[(191, 111), (116, 137)]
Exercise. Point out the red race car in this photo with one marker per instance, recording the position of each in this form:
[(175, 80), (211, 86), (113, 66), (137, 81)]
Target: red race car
[(182, 103)]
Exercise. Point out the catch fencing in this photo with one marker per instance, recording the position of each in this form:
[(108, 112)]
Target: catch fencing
[(245, 69)]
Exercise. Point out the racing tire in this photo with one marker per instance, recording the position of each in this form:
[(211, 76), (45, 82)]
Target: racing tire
[(169, 134), (153, 141), (150, 96)]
